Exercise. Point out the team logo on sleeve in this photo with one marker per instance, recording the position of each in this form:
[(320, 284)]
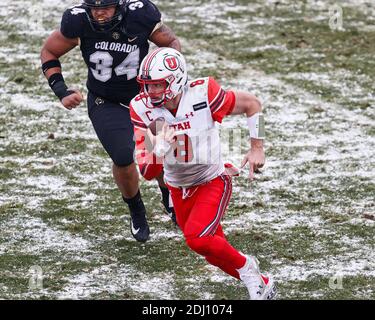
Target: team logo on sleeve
[(171, 63)]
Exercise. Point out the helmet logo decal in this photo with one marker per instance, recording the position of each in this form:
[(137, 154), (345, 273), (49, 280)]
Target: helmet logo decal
[(171, 63)]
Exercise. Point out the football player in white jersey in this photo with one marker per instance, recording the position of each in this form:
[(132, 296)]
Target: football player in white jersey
[(187, 148)]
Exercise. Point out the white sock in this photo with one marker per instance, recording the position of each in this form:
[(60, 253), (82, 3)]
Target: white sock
[(245, 266)]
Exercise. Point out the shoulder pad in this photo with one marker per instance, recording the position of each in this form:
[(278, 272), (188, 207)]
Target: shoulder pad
[(139, 102), (198, 84), (142, 14), (72, 21)]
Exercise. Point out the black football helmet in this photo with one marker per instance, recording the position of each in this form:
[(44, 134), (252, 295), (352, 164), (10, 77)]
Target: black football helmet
[(113, 22)]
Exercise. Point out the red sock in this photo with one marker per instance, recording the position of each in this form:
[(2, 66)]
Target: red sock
[(218, 252)]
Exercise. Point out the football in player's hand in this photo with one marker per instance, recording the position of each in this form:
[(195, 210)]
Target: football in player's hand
[(156, 125)]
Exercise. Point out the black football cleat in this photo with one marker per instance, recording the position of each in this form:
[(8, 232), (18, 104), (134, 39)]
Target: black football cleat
[(171, 214), (168, 205), (139, 226)]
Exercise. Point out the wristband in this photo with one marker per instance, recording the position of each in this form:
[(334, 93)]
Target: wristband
[(50, 64), (256, 126), (58, 86)]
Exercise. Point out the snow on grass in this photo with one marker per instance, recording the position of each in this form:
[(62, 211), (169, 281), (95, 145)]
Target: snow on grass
[(30, 235), (123, 280), (159, 234), (26, 102), (44, 182), (343, 265)]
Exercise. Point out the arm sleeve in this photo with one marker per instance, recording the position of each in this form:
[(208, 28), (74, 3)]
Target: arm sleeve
[(150, 166), (221, 102), (72, 25)]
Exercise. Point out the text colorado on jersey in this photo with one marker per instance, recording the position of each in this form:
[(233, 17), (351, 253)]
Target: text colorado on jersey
[(115, 46)]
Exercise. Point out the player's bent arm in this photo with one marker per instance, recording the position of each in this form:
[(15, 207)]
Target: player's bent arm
[(246, 103), (165, 37), (149, 165), (54, 47)]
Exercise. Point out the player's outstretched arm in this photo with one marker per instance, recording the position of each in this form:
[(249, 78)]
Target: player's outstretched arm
[(55, 46), (249, 105), (149, 164), (165, 37)]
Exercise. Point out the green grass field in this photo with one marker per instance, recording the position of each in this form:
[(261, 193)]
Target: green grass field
[(310, 215)]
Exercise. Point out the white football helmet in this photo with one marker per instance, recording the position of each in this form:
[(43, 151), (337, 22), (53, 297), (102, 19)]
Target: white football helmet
[(165, 67)]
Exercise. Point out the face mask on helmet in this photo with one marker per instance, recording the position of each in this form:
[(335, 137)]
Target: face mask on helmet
[(158, 91), (110, 23), (162, 75)]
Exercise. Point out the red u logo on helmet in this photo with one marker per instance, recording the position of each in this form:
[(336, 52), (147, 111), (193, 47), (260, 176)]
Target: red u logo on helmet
[(171, 63)]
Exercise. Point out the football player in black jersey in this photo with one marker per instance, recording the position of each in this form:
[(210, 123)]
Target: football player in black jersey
[(113, 36)]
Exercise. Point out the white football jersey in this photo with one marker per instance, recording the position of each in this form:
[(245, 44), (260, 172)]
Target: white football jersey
[(195, 157)]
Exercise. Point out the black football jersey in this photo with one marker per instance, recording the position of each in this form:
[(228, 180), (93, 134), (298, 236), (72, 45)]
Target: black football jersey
[(113, 58)]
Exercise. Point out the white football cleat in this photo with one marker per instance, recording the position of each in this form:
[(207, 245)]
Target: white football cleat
[(260, 286)]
